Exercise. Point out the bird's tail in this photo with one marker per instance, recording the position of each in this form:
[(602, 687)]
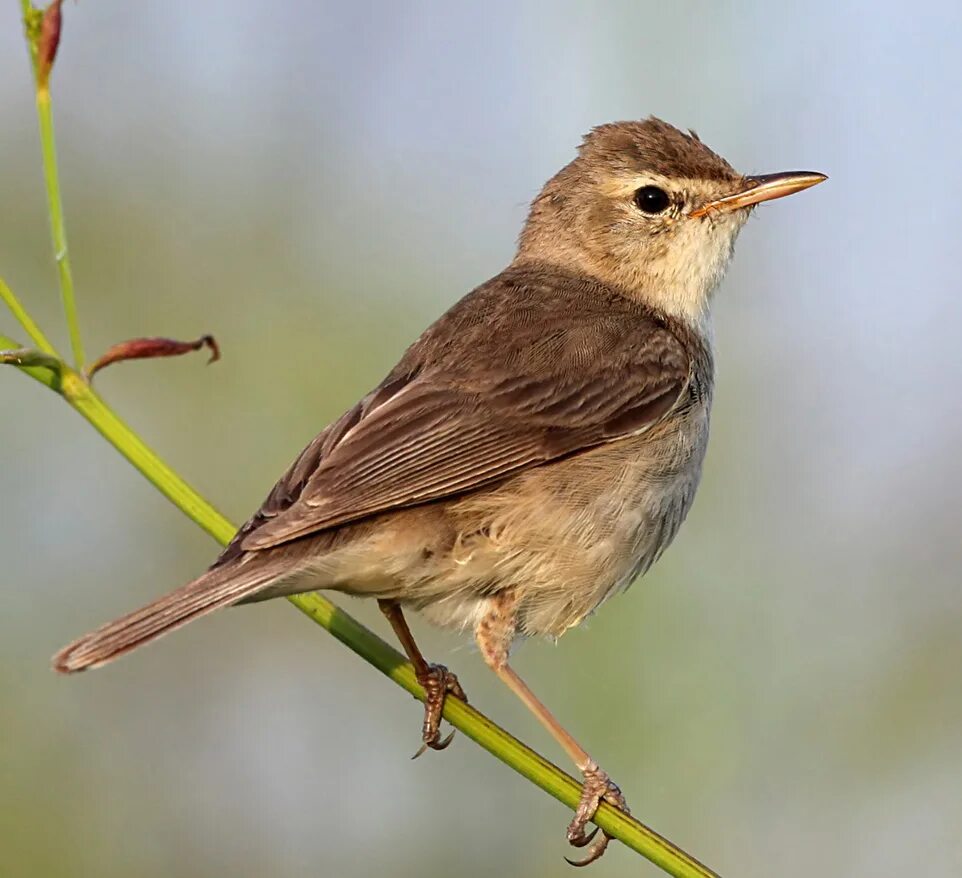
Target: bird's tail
[(217, 588)]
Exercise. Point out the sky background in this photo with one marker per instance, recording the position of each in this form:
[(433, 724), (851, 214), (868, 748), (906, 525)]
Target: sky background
[(314, 184)]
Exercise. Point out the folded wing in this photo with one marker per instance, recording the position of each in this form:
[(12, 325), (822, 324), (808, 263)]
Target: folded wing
[(440, 425)]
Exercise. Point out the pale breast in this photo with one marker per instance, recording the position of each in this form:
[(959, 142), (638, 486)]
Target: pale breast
[(569, 534), (565, 536)]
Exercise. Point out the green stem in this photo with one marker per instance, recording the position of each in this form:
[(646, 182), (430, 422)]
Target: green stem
[(58, 231), (24, 319), (32, 19), (42, 374)]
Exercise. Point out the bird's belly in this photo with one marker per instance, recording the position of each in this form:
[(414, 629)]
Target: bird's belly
[(564, 536), (568, 535)]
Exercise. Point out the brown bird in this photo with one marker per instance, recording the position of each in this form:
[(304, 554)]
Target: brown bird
[(534, 451)]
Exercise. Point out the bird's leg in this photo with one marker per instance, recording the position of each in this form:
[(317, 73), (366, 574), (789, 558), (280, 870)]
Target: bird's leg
[(494, 635), (438, 682)]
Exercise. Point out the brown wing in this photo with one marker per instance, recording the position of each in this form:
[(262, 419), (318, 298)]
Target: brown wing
[(521, 372)]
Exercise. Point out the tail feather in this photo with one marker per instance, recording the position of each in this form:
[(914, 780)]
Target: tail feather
[(215, 589)]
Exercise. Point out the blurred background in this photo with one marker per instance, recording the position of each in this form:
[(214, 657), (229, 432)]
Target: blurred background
[(314, 185)]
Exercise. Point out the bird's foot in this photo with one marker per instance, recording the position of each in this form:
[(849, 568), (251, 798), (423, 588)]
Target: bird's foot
[(597, 787), (438, 682)]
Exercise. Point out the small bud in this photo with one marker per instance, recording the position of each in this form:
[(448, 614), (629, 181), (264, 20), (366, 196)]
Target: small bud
[(27, 357), (48, 41), (147, 348)]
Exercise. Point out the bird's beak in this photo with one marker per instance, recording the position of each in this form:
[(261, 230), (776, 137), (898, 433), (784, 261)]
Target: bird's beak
[(764, 187)]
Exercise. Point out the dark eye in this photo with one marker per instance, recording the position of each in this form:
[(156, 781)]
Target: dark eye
[(651, 199)]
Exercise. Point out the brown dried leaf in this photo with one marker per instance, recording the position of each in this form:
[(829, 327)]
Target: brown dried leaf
[(147, 348), (49, 40)]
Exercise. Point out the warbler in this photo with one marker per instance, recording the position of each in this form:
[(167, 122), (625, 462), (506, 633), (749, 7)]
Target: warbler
[(534, 451)]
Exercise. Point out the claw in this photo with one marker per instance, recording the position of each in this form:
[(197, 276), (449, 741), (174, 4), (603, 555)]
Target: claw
[(594, 852), (438, 683), (579, 841), (436, 745), (597, 786), (442, 744)]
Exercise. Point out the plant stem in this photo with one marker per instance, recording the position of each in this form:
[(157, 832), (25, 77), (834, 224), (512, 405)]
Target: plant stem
[(58, 232), (24, 319), (38, 373), (32, 19)]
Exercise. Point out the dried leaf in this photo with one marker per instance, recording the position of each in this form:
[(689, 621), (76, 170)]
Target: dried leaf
[(49, 40), (147, 348)]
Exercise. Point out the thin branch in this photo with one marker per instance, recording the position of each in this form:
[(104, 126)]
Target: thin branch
[(42, 39), (24, 319), (45, 376)]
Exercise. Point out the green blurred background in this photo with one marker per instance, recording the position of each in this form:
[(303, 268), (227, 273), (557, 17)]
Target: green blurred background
[(314, 183)]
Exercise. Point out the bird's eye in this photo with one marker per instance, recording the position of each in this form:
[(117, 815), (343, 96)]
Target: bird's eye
[(651, 199)]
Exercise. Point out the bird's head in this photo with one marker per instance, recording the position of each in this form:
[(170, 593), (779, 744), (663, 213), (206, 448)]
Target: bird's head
[(651, 210)]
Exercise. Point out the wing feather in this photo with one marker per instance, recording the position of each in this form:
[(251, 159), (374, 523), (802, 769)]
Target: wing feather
[(470, 405)]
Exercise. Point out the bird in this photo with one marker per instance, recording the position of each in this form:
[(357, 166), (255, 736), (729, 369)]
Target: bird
[(533, 452)]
